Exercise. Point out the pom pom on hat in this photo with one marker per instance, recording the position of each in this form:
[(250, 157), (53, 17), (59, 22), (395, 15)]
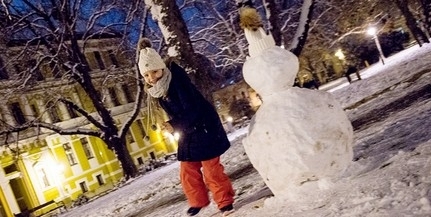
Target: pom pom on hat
[(149, 59), (256, 36)]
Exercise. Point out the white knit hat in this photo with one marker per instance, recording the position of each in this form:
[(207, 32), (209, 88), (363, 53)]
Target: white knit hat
[(150, 60), (256, 36), (258, 41)]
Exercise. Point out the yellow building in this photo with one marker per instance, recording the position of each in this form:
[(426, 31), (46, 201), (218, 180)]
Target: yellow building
[(41, 170)]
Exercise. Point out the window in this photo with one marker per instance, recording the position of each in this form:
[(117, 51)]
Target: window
[(127, 93), (52, 110), (87, 148), (99, 60), (69, 154), (100, 180), (152, 155), (43, 177), (141, 127), (35, 110), (71, 111), (34, 71), (17, 113), (129, 137), (3, 72), (140, 161), (83, 186), (113, 58), (10, 169), (113, 96)]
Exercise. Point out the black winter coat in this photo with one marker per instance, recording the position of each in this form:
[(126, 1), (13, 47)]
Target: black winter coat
[(202, 136)]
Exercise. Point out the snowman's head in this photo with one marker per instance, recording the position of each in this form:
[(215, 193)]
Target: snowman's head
[(269, 68), (272, 71)]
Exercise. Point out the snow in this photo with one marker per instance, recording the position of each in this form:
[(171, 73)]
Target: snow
[(390, 175)]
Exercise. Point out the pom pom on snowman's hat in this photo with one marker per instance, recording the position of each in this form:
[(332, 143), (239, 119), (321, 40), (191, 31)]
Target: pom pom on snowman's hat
[(149, 59), (256, 36)]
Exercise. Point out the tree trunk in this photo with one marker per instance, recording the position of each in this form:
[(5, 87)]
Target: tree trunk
[(418, 34), (426, 5), (304, 25), (176, 35), (119, 146), (272, 12)]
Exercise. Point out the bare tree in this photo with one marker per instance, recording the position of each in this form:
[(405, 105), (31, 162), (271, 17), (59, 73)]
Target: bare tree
[(300, 37), (218, 37), (272, 12), (56, 34)]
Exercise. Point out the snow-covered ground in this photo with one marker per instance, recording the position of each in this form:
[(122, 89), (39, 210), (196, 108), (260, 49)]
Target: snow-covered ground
[(390, 110)]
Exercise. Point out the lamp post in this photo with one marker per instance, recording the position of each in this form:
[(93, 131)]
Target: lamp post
[(373, 32), (229, 124)]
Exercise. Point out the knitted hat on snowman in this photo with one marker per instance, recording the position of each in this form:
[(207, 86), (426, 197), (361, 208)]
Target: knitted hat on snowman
[(256, 36), (149, 59)]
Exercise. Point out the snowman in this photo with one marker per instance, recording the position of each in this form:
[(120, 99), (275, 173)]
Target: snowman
[(298, 137)]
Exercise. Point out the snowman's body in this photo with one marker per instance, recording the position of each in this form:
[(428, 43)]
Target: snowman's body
[(298, 135)]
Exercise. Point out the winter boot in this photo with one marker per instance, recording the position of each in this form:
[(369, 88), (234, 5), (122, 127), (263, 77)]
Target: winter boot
[(192, 211), (227, 210)]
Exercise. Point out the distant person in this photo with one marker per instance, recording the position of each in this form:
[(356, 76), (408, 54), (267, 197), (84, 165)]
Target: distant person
[(350, 70), (311, 84), (202, 136)]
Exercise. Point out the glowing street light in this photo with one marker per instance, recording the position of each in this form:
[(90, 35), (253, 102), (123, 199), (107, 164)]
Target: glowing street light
[(340, 54), (373, 32), (229, 124)]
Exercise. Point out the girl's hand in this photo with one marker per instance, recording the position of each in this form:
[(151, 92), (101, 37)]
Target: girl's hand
[(167, 127)]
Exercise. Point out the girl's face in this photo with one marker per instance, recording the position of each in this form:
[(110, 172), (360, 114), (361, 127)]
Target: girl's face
[(151, 77)]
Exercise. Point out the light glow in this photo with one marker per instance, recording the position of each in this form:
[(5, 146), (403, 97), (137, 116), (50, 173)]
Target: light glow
[(229, 119), (176, 136), (339, 54), (372, 31)]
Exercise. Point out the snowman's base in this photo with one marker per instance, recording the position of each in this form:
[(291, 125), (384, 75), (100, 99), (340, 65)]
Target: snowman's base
[(309, 196)]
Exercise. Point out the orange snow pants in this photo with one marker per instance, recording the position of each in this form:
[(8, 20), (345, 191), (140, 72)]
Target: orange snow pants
[(196, 182)]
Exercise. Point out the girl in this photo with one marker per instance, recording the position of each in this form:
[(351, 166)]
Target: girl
[(202, 137)]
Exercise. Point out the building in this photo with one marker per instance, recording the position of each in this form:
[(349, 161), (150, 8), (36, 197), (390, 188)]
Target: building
[(41, 170)]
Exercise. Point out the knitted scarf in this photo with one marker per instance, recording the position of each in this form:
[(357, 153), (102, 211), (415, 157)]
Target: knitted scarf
[(161, 87)]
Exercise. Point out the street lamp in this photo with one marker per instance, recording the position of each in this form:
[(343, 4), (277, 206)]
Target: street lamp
[(373, 32), (340, 55), (229, 124)]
